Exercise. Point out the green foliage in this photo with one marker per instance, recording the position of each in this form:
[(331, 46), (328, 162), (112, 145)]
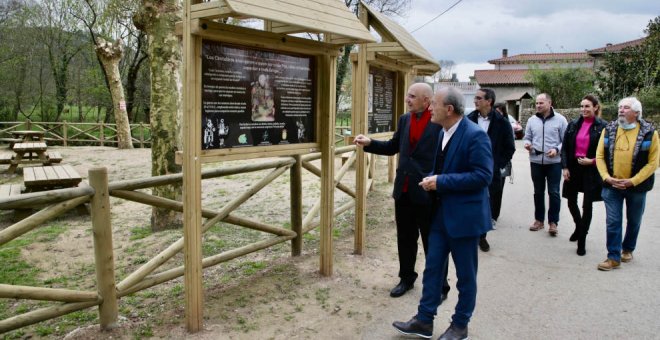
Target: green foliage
[(140, 233), (566, 86), (629, 71), (650, 98)]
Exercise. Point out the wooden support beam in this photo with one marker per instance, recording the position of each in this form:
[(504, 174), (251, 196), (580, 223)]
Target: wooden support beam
[(46, 294), (36, 219), (327, 70), (166, 203), (207, 262), (30, 200), (43, 314), (296, 206), (176, 247), (103, 250)]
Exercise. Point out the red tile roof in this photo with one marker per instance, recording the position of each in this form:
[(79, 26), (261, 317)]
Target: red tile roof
[(542, 58), (617, 47), (501, 77)]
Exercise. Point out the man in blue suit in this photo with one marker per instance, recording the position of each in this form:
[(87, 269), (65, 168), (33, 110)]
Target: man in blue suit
[(459, 187), (414, 140)]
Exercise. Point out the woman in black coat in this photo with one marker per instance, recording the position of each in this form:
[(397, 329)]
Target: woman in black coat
[(578, 159)]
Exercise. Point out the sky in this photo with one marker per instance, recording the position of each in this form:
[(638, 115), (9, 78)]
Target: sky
[(476, 31)]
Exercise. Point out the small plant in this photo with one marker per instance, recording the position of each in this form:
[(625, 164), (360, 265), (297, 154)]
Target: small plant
[(138, 233)]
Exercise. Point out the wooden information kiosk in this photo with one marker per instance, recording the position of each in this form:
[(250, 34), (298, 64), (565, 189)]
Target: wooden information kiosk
[(252, 93), (382, 73)]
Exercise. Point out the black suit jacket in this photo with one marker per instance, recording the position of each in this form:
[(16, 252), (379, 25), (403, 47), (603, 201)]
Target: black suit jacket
[(416, 163), (501, 140)]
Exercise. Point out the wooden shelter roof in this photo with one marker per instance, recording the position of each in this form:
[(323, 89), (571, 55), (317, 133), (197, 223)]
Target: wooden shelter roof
[(398, 44), (330, 17)]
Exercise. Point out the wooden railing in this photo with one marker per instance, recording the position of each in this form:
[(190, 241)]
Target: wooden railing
[(108, 290), (80, 134)]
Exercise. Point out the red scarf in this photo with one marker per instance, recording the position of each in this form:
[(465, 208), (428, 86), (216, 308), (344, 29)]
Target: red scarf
[(417, 127)]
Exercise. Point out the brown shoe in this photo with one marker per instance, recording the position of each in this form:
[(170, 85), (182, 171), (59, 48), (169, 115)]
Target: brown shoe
[(552, 229), (536, 226), (626, 256), (608, 265)]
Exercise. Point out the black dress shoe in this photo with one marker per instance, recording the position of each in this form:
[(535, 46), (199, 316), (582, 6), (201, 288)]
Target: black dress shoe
[(414, 327), (483, 244), (454, 333), (400, 289), (574, 236)]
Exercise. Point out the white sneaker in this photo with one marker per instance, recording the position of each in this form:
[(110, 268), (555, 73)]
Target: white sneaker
[(494, 223)]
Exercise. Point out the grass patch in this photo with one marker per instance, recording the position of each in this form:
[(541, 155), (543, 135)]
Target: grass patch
[(139, 233), (250, 268)]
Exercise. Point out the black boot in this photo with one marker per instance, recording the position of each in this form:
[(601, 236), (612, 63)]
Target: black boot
[(580, 246), (575, 235)]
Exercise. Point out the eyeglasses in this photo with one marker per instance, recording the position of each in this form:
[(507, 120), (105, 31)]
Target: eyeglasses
[(478, 98)]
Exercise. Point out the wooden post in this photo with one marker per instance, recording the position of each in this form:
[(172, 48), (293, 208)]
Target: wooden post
[(296, 206), (102, 133), (192, 176), (327, 79), (103, 251), (65, 133), (360, 121)]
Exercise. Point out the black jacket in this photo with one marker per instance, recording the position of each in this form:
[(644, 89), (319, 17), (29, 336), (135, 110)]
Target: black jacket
[(500, 133), (416, 163), (591, 181)]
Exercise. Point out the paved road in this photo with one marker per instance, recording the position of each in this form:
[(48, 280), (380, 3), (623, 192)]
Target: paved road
[(533, 286)]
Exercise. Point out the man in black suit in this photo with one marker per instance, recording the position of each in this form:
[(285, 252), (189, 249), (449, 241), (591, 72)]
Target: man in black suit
[(500, 133), (415, 141)]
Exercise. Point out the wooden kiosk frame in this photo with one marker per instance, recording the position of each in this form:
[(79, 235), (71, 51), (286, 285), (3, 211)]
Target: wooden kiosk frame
[(328, 17), (398, 52)]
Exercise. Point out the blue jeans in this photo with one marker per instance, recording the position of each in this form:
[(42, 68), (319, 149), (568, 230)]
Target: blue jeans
[(465, 255), (552, 174), (635, 203)]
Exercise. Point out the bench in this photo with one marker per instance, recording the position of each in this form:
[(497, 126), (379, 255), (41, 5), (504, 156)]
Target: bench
[(53, 157), (5, 158), (50, 177), (8, 190), (11, 141)]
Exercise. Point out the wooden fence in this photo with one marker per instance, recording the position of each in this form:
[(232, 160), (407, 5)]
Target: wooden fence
[(102, 134), (98, 191)]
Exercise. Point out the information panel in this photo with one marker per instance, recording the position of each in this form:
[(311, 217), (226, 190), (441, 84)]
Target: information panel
[(254, 97), (381, 100)]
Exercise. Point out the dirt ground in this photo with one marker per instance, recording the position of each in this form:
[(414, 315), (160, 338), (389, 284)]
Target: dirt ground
[(531, 285)]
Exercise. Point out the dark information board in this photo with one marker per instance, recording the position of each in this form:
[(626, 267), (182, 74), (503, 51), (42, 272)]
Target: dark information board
[(382, 92), (253, 97)]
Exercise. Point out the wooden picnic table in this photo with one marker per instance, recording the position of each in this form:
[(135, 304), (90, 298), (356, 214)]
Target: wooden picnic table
[(25, 136), (29, 135), (41, 178), (26, 149)]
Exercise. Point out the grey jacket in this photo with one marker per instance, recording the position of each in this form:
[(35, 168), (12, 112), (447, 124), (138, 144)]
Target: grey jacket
[(543, 135)]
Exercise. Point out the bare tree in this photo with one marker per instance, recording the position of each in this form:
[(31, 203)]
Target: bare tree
[(101, 19), (59, 33)]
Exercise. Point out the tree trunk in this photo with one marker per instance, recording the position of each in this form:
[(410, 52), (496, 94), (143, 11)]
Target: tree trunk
[(157, 19), (110, 55)]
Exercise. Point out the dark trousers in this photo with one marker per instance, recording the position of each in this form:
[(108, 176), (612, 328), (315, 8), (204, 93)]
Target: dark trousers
[(550, 173), (496, 198), (412, 220), (465, 256), (582, 219)]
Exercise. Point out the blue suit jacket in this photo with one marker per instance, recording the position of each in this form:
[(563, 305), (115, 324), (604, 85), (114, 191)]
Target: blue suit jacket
[(462, 184), (416, 163)]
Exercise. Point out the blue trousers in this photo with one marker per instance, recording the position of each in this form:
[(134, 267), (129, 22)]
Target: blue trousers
[(550, 173), (465, 256), (635, 204)]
